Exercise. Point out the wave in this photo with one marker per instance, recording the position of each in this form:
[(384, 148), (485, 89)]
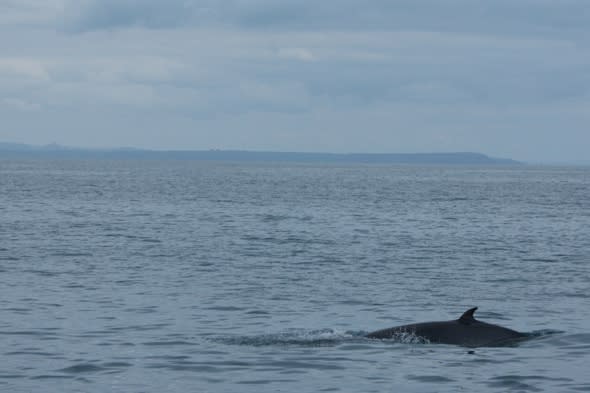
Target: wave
[(333, 337), (313, 338)]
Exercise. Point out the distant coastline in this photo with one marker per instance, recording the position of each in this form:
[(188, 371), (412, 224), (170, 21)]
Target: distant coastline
[(53, 151)]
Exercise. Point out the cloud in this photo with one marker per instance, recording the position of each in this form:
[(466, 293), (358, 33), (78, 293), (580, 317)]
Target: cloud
[(215, 70), (301, 54), (346, 75), (86, 15), (23, 68), (18, 104), (501, 17), (31, 13)]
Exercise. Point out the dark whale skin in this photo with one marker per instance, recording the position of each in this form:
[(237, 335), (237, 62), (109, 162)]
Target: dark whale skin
[(465, 331)]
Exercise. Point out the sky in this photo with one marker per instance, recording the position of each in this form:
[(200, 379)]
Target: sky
[(508, 78)]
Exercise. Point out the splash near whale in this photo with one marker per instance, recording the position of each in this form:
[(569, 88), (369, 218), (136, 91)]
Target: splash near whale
[(465, 331)]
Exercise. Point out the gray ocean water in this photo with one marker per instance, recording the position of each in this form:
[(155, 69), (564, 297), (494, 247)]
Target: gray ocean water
[(185, 276)]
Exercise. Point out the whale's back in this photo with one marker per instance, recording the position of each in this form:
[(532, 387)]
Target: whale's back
[(465, 331)]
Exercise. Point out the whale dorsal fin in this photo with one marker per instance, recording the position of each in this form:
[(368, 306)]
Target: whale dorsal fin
[(467, 316)]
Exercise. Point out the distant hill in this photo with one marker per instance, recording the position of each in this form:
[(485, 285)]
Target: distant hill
[(54, 151), (23, 147)]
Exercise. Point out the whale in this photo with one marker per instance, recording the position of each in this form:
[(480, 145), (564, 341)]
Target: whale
[(465, 331)]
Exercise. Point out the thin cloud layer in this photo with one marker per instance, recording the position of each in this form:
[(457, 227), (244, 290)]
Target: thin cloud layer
[(503, 78), (497, 17)]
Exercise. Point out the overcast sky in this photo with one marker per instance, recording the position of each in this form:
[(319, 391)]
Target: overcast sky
[(509, 78)]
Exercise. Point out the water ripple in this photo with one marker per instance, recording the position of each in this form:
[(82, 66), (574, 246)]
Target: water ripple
[(144, 276)]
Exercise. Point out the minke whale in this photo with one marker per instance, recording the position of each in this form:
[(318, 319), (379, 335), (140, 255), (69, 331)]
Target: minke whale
[(465, 331)]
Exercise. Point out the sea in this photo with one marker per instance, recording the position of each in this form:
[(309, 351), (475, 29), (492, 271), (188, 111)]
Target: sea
[(214, 276)]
